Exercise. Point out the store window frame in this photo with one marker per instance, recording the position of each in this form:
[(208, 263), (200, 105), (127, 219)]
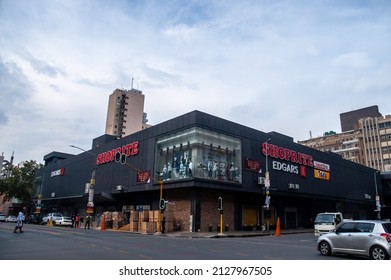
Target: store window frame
[(197, 152)]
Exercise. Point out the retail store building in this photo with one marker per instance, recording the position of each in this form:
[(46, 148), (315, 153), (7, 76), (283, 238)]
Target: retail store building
[(199, 158)]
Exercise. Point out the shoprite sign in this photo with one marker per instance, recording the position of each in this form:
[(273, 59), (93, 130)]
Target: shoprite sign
[(277, 152), (109, 156)]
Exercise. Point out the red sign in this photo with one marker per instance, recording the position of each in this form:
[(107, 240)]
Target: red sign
[(59, 172), (143, 177), (252, 165), (109, 156), (286, 154)]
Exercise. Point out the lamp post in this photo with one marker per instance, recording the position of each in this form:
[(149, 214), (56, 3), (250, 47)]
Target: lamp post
[(90, 203), (267, 186), (377, 198)]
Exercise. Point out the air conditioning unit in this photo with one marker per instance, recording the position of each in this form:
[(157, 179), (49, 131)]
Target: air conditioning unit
[(53, 194), (261, 180), (120, 188)]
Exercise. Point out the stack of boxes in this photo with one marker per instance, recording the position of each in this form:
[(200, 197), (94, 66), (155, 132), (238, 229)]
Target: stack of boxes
[(134, 218), (146, 221)]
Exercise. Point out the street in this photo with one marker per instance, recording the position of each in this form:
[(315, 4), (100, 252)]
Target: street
[(39, 242)]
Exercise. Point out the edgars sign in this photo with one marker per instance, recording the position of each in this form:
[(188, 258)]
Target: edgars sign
[(59, 172), (288, 155), (128, 150)]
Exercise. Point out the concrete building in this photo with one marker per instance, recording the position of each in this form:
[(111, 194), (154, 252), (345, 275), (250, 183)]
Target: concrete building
[(349, 120), (192, 160), (376, 135), (367, 143), (125, 113)]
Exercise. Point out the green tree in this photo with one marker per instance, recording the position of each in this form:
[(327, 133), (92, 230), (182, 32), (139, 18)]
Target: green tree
[(20, 184)]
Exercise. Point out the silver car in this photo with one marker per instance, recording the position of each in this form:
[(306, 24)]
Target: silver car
[(361, 237)]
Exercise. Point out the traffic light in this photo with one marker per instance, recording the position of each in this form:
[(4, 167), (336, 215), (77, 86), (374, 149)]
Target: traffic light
[(123, 158), (162, 204), (117, 157), (220, 203)]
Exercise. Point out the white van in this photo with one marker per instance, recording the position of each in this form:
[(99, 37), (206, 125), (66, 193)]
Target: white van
[(325, 222)]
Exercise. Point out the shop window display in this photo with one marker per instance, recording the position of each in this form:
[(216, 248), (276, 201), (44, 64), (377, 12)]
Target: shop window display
[(201, 153)]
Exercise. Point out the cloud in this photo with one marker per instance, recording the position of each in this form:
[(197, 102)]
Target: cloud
[(353, 59), (270, 65)]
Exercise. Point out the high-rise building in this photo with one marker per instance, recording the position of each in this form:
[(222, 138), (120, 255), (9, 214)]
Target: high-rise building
[(349, 120), (368, 140), (376, 134), (125, 113)]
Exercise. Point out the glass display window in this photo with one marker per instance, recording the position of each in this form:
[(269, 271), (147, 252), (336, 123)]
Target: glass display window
[(200, 153)]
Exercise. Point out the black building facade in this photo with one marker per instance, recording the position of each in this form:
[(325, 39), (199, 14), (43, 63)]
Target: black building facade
[(194, 159)]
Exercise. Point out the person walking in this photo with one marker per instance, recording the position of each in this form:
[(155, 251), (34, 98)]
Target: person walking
[(19, 222), (164, 225), (77, 221), (88, 221)]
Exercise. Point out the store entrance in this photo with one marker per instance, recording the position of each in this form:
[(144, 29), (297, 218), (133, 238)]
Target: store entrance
[(290, 218)]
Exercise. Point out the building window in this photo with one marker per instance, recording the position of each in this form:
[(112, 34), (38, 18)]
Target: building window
[(199, 153)]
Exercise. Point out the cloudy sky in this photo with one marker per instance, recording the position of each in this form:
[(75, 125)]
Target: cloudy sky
[(285, 66)]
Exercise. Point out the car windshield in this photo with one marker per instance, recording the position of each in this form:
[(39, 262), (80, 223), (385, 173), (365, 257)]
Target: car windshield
[(324, 218)]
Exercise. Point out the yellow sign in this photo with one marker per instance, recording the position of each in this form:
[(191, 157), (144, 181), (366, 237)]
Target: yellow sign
[(320, 174)]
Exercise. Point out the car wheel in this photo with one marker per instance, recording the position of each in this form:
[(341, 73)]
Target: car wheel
[(324, 248), (378, 253)]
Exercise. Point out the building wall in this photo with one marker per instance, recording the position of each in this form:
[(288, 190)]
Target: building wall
[(125, 113), (346, 182)]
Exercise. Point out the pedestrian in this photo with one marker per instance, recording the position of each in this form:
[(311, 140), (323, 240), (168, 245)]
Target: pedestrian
[(88, 221), (19, 222), (73, 220), (77, 221), (164, 225), (97, 219)]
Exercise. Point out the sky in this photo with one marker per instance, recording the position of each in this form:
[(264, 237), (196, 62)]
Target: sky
[(287, 66)]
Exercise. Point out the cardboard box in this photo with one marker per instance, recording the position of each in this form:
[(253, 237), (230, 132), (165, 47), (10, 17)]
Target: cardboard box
[(134, 216)]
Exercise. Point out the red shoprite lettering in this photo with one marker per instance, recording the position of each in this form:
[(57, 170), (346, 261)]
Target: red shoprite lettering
[(286, 154), (129, 150)]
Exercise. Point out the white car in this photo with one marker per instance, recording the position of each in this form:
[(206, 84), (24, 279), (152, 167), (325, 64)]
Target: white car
[(2, 218), (11, 219), (63, 221), (53, 216)]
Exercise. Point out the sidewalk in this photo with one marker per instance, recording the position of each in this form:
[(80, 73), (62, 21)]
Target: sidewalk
[(231, 234)]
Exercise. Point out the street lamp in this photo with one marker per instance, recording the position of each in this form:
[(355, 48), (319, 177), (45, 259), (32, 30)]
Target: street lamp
[(377, 199), (90, 203), (267, 186)]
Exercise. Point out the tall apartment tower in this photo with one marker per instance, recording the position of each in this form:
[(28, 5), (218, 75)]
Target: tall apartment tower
[(377, 142), (125, 113)]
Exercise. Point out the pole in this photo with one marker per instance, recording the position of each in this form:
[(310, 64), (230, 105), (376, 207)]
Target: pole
[(221, 223), (267, 185), (90, 203), (377, 198)]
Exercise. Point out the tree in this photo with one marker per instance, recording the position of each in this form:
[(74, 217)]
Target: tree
[(20, 184)]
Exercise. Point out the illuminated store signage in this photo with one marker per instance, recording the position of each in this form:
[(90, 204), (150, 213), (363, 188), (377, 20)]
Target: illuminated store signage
[(286, 154), (59, 172), (109, 156), (319, 174), (143, 177), (252, 165), (321, 166)]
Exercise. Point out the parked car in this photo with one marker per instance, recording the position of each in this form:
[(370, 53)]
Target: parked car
[(53, 216), (11, 219), (2, 218), (34, 219), (360, 237), (63, 221)]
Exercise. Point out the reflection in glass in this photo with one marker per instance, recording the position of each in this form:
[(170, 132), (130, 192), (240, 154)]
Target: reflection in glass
[(201, 153)]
